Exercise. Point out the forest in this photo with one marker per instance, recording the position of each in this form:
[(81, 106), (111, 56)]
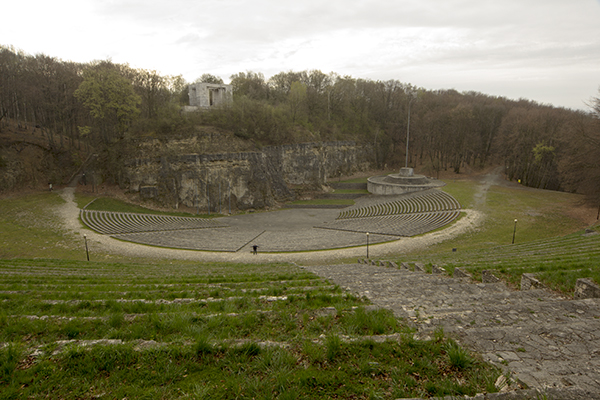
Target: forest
[(106, 108)]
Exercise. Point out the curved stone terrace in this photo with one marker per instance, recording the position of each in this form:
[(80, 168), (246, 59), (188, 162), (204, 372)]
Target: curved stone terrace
[(403, 182), (385, 218)]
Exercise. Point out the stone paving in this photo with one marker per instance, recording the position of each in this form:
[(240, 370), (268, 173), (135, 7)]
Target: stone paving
[(546, 341), (284, 230)]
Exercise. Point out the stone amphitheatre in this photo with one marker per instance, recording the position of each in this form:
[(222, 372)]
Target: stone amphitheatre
[(548, 343), (385, 218)]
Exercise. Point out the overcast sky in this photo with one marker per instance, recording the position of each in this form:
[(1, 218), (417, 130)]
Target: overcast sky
[(542, 50)]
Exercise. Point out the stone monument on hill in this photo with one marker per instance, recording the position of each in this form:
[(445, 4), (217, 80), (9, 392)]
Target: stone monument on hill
[(205, 95)]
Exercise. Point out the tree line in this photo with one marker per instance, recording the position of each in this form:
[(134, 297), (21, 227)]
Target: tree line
[(108, 106)]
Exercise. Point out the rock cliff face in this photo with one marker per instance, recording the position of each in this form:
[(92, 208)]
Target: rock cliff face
[(255, 179), (33, 160)]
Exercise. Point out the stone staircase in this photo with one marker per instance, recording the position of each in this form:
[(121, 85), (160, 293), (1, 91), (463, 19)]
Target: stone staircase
[(546, 341)]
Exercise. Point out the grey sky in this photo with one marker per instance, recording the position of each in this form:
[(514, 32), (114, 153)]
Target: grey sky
[(543, 50)]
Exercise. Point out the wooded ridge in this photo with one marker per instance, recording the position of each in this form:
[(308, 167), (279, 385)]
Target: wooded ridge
[(112, 108)]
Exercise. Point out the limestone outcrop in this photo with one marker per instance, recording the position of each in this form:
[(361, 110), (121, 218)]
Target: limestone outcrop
[(251, 179)]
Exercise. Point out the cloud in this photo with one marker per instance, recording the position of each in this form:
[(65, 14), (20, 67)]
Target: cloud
[(507, 47)]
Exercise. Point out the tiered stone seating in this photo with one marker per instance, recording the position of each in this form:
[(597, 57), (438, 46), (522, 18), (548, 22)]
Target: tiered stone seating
[(428, 201), (112, 223), (410, 215)]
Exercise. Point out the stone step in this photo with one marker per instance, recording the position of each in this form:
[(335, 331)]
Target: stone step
[(514, 314), (462, 295), (542, 339), (542, 353)]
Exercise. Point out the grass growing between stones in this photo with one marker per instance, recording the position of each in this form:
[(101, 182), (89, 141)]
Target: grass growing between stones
[(73, 329), (558, 262)]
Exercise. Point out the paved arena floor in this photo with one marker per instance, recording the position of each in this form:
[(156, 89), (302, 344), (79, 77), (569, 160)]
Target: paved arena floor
[(283, 230)]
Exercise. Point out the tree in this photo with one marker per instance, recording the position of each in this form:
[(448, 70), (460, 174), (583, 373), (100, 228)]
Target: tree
[(209, 78), (297, 100), (544, 160), (250, 84), (110, 98), (580, 167)]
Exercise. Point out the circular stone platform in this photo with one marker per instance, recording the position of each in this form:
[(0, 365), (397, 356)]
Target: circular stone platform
[(403, 182)]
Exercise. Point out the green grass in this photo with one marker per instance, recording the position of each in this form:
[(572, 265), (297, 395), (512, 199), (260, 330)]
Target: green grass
[(463, 191), (343, 202), (30, 228), (351, 191), (558, 261), (357, 370), (540, 215), (356, 180), (548, 241), (212, 346)]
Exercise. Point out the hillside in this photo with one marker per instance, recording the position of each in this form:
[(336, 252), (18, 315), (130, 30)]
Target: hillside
[(541, 146), (31, 158)]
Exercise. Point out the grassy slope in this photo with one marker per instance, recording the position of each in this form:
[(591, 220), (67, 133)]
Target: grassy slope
[(540, 214), (29, 228), (209, 347), (198, 359), (548, 240)]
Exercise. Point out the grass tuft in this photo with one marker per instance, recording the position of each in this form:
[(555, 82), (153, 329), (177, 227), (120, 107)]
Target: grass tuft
[(459, 357), (333, 345), (203, 347)]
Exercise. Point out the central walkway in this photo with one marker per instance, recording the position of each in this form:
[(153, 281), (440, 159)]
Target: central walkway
[(544, 340), (283, 230)]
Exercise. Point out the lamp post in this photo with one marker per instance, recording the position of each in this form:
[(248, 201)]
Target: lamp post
[(514, 231), (87, 253), (367, 245)]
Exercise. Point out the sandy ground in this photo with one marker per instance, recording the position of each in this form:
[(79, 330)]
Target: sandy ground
[(100, 243)]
